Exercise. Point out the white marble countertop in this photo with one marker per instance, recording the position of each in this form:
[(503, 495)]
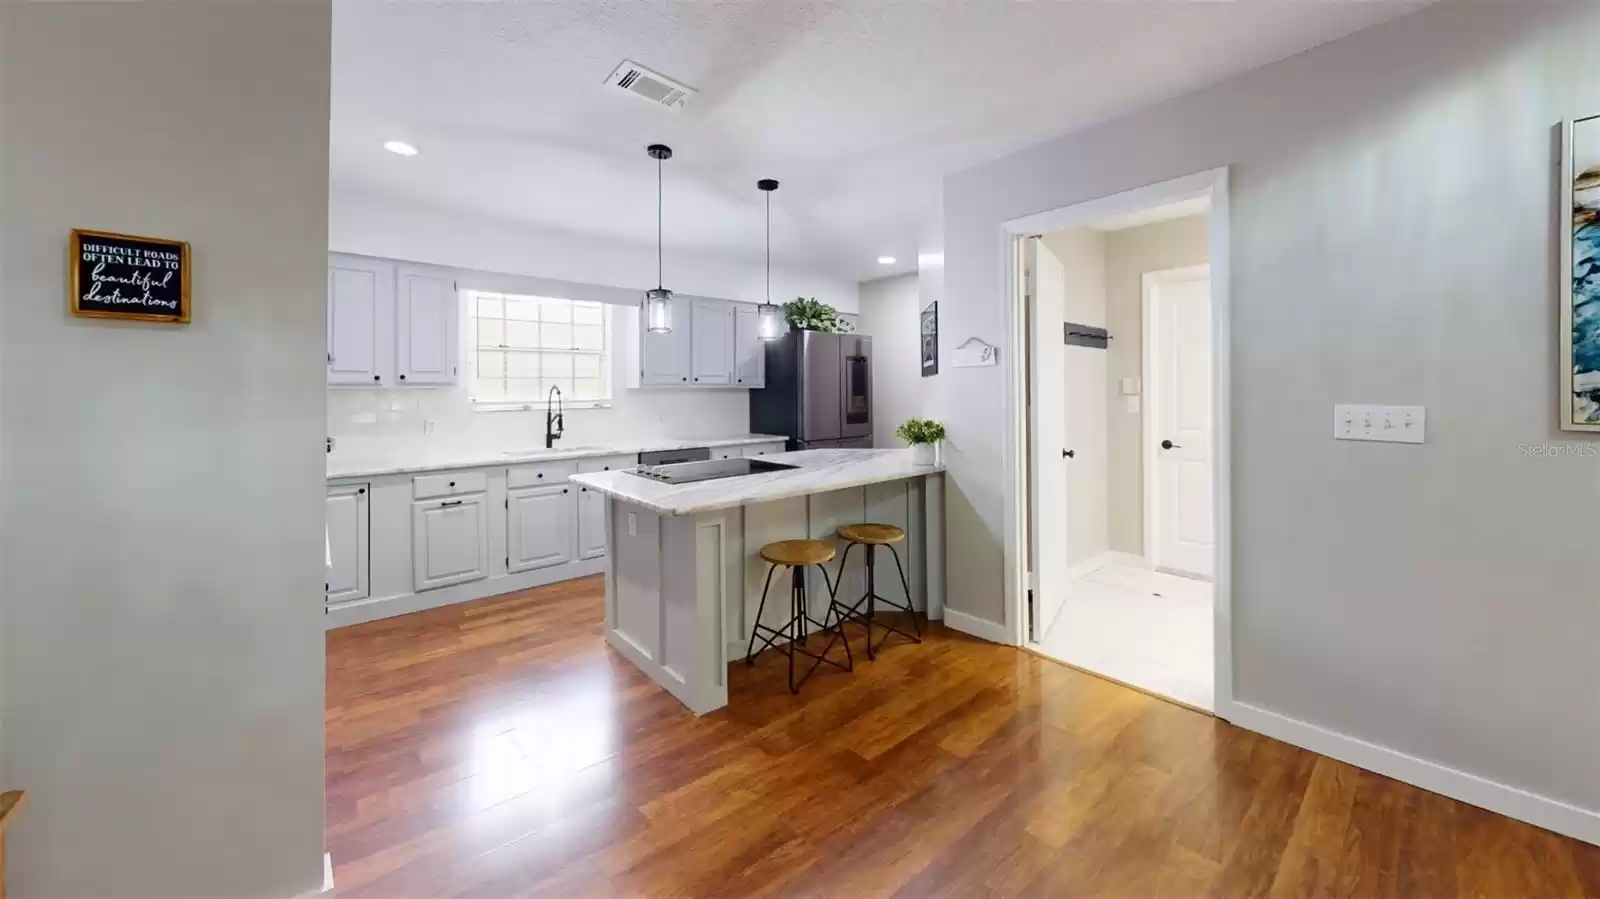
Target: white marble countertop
[(819, 471), (414, 458)]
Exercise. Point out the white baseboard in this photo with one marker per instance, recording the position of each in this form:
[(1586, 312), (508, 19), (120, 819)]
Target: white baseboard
[(1540, 811), (364, 610), (327, 880), (1101, 560), (977, 627)]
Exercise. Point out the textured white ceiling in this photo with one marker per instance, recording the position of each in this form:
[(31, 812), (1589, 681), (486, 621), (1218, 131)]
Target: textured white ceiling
[(858, 106)]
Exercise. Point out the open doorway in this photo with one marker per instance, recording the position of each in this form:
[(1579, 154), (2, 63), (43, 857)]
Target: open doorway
[(1121, 440)]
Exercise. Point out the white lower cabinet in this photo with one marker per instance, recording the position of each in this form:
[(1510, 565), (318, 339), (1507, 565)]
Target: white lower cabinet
[(539, 527), (450, 541), (591, 524), (348, 533)]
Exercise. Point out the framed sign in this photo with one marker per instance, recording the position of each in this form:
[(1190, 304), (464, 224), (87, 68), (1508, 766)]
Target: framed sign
[(125, 276), (1580, 275)]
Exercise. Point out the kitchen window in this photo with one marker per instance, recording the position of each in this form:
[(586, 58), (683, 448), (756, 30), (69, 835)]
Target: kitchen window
[(521, 346)]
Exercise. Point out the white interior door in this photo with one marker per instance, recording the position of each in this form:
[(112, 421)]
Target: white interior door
[(1178, 306), (1085, 472), (1046, 288)]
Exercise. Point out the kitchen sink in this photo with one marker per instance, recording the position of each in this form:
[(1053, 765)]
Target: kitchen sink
[(530, 453)]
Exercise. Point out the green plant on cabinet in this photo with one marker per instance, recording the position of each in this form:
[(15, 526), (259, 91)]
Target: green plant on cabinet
[(810, 314)]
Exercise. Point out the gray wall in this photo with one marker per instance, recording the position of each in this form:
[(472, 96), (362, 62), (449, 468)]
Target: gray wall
[(162, 488), (1129, 255), (890, 315), (1393, 241)]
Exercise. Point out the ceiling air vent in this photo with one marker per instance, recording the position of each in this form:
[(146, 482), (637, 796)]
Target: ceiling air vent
[(652, 86)]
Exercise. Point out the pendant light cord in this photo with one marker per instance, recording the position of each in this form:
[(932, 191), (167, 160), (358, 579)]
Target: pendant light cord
[(768, 248), (658, 224)]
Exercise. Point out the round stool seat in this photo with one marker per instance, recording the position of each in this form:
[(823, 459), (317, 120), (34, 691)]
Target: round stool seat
[(798, 552), (871, 534)]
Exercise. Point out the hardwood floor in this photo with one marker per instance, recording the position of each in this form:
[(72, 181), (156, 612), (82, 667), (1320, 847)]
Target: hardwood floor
[(499, 749)]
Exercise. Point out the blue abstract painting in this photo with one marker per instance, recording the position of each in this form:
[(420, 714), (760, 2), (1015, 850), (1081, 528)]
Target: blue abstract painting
[(1584, 335)]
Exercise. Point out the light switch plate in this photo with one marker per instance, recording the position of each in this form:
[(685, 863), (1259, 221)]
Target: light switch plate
[(1130, 386), (1381, 424)]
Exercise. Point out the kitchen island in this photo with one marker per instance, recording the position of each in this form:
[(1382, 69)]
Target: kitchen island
[(684, 578)]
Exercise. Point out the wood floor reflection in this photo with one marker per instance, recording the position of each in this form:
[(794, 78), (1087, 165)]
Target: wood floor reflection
[(498, 749)]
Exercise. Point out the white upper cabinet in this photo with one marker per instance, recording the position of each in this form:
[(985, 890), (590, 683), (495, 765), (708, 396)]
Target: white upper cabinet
[(360, 295), (711, 339), (426, 313), (390, 324), (665, 357), (749, 350)]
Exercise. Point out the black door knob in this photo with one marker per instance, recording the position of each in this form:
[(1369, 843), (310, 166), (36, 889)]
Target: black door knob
[(1069, 454), (1167, 444)]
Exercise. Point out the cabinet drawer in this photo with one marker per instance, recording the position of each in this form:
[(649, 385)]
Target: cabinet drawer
[(764, 449), (450, 484), (607, 463), (537, 475)]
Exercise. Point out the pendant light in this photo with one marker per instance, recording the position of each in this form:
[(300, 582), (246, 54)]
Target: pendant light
[(658, 302), (770, 325)]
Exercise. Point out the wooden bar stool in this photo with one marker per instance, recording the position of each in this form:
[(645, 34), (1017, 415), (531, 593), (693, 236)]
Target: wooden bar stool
[(796, 555), (873, 536)]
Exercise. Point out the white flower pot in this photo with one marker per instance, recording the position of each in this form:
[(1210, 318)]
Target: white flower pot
[(925, 454)]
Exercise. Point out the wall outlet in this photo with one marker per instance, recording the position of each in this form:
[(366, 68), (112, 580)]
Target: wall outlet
[(1382, 424), (1133, 404)]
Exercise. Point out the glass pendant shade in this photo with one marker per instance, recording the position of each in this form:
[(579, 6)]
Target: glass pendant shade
[(658, 310), (771, 323)]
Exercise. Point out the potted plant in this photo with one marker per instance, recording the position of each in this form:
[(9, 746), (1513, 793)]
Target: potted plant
[(924, 435), (809, 314)]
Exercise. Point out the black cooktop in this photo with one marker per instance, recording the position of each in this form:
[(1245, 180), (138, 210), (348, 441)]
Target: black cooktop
[(689, 472)]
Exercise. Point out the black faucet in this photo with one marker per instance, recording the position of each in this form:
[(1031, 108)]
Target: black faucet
[(555, 423)]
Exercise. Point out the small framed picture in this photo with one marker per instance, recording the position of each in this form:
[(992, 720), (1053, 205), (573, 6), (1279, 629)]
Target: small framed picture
[(126, 276)]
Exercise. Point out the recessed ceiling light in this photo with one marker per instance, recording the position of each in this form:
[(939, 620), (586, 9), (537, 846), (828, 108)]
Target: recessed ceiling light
[(886, 260), (400, 148)]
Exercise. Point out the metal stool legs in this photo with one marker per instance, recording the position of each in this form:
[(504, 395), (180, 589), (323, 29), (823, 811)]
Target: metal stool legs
[(870, 599), (797, 630)]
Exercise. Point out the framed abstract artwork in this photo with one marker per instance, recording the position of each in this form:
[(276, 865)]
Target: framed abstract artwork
[(1580, 275)]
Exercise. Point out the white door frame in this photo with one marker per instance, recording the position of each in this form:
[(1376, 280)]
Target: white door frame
[(1213, 185), (1147, 420)]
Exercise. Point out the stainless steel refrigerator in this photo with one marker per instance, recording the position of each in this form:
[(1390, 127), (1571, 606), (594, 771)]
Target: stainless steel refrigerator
[(818, 391)]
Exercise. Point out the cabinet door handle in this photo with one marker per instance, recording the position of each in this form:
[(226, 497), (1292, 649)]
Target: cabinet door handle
[(451, 503), (376, 378), (402, 377), (563, 490), (362, 490)]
